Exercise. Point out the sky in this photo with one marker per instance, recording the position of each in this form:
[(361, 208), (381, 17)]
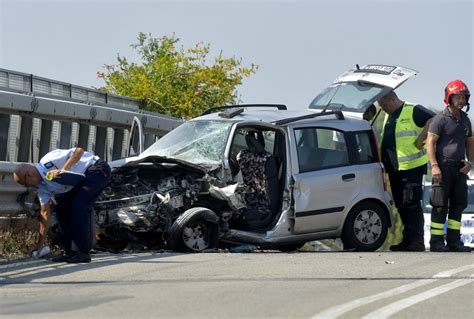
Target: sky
[(300, 46)]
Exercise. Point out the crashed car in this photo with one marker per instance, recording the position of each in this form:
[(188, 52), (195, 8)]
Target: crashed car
[(250, 174)]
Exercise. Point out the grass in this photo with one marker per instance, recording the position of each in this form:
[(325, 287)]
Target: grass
[(17, 237)]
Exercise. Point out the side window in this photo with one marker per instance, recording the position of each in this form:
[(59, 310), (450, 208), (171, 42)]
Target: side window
[(238, 144), (269, 138), (320, 148), (364, 148)]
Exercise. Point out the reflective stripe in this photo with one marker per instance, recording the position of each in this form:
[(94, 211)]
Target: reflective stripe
[(407, 133), (437, 225), (454, 224), (437, 232), (413, 156)]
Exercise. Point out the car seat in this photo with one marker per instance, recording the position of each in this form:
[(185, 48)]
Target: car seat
[(260, 176)]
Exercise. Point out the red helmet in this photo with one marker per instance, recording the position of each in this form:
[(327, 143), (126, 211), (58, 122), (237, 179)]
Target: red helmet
[(456, 87)]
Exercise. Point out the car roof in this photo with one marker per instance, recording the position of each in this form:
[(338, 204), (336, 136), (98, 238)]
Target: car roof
[(270, 116)]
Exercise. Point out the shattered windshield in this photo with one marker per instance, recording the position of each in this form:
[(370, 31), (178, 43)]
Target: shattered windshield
[(197, 142), (348, 96)]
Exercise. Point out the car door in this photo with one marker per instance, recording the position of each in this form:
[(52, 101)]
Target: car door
[(357, 89), (325, 180), (136, 141)]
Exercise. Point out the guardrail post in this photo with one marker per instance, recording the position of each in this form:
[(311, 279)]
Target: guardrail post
[(100, 138), (118, 143), (149, 139), (45, 137), (5, 120), (24, 143), (83, 140), (65, 137)]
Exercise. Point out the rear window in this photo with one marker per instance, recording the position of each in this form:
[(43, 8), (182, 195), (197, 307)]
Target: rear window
[(365, 151)]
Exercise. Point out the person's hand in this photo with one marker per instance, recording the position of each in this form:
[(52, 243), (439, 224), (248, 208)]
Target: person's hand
[(419, 144), (36, 247), (436, 173), (52, 174), (466, 168)]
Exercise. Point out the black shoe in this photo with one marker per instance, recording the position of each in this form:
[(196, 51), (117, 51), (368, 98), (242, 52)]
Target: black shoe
[(438, 247), (79, 257), (61, 258), (399, 247), (415, 246), (459, 248)]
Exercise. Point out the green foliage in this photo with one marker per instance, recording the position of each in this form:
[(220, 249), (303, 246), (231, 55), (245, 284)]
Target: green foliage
[(175, 81)]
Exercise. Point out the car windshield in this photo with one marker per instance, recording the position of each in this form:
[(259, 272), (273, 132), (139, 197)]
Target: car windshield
[(348, 96), (197, 142)]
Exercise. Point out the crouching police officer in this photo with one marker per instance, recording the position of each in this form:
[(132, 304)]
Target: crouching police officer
[(450, 141), (74, 207)]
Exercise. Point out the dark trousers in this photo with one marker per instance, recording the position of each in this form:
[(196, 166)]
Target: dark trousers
[(450, 199), (74, 209), (407, 192)]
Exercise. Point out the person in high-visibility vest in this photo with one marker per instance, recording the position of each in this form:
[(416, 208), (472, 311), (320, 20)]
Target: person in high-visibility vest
[(405, 160), (450, 142)]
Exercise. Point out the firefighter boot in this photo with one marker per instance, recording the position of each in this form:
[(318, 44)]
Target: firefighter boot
[(437, 243), (453, 239)]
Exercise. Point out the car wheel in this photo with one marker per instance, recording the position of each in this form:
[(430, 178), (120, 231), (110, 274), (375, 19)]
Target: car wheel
[(194, 231), (365, 228)]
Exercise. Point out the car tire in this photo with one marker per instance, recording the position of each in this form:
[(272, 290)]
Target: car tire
[(365, 228), (195, 230)]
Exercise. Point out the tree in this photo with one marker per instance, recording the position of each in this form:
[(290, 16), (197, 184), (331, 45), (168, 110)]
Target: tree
[(175, 81)]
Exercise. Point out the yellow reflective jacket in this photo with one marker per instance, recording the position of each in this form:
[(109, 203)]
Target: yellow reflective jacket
[(406, 133)]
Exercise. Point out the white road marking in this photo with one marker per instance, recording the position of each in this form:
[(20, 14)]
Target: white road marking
[(395, 307), (338, 310)]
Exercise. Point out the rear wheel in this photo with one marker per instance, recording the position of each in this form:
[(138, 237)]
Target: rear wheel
[(194, 231), (365, 228)]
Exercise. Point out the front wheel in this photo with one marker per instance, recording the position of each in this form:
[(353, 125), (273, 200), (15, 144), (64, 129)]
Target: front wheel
[(195, 230), (365, 228)]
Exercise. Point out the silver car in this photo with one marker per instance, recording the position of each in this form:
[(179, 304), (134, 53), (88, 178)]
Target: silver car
[(251, 174)]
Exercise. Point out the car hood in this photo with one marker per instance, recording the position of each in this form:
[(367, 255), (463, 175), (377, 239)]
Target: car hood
[(155, 159)]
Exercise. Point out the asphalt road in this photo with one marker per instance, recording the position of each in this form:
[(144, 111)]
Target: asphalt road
[(259, 284)]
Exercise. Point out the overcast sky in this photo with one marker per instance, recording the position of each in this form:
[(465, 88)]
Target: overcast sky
[(300, 46)]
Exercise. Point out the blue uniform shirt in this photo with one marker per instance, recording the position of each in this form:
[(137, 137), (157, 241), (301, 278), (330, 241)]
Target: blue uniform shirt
[(56, 160)]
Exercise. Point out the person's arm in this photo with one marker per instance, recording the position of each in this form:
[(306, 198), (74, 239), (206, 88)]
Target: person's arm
[(431, 150), (470, 155), (44, 222), (70, 162), (422, 137), (75, 157)]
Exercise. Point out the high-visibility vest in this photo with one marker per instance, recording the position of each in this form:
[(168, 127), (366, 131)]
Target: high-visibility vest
[(406, 133)]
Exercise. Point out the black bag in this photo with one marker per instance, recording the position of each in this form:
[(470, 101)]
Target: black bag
[(437, 195)]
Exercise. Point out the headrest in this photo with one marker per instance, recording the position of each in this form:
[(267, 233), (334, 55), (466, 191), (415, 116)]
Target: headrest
[(253, 144)]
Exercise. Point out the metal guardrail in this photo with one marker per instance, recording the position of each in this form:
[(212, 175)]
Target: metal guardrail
[(9, 191), (38, 115)]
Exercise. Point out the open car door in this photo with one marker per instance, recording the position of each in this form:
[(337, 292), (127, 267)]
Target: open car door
[(355, 90), (136, 141)]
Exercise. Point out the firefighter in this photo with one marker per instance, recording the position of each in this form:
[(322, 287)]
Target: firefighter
[(450, 141), (74, 207), (404, 157)]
